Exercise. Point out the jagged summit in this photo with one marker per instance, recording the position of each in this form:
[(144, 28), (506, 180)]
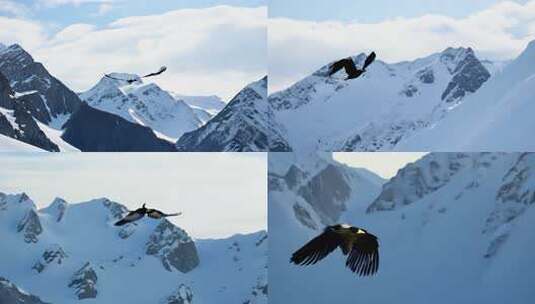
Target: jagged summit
[(245, 124), (84, 256), (375, 111), (142, 103), (469, 216)]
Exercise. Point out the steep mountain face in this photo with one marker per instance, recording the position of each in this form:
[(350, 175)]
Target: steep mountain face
[(9, 293), (17, 122), (376, 111), (93, 130), (144, 104), (47, 99), (245, 125), (318, 190), (70, 252), (495, 118), (449, 221)]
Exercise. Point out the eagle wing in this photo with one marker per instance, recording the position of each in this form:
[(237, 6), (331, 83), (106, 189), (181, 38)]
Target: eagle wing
[(157, 214), (161, 70), (130, 217), (369, 60), (364, 256), (316, 249), (347, 63)]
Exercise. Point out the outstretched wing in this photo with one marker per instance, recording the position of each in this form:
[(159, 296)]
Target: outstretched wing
[(157, 214), (161, 70), (346, 63), (127, 80), (316, 249), (364, 256), (369, 60), (130, 217)]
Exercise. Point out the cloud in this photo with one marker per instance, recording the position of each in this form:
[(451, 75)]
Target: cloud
[(14, 9), (104, 8), (297, 48), (28, 33), (215, 50), (54, 3)]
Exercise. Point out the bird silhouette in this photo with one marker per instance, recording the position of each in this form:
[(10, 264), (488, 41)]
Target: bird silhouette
[(349, 65), (360, 247), (139, 213), (131, 80)]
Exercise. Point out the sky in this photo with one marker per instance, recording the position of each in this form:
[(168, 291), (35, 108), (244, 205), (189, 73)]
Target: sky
[(395, 30), (220, 194), (211, 47), (384, 164)]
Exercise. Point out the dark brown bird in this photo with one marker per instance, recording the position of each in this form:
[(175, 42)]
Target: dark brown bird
[(139, 213), (360, 247), (349, 65), (161, 70)]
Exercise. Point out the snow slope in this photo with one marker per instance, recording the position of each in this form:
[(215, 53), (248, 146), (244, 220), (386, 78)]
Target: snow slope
[(374, 112), (496, 118), (66, 252), (246, 124), (211, 104), (144, 104), (453, 228), (8, 144)]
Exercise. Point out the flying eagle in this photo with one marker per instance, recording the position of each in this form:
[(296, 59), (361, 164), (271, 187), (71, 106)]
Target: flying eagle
[(349, 65), (161, 70), (139, 213), (360, 247)]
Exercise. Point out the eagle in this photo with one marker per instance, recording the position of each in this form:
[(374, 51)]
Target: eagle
[(139, 213), (360, 247), (130, 81), (349, 65)]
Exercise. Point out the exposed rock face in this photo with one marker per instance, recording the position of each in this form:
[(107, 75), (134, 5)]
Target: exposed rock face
[(183, 295), (54, 254), (326, 192), (259, 293), (11, 294), (469, 76), (246, 124), (84, 282), (514, 197), (17, 122), (24, 74), (92, 130), (173, 247), (57, 208), (417, 180), (30, 226)]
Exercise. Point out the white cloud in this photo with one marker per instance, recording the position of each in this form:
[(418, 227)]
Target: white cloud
[(104, 8), (25, 32), (13, 8), (54, 3), (297, 48), (209, 51)]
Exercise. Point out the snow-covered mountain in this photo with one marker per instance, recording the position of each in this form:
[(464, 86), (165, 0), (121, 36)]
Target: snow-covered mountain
[(17, 122), (46, 98), (496, 118), (387, 104), (452, 228), (211, 104), (246, 124), (144, 104), (10, 293), (67, 252)]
